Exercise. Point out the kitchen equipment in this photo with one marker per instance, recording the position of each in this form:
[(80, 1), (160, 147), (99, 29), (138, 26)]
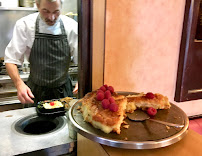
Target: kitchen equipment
[(140, 115), (26, 3), (55, 142), (37, 125), (9, 3), (8, 17), (72, 15), (50, 114), (139, 135), (54, 112)]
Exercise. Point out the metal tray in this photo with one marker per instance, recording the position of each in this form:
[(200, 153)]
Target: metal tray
[(50, 114), (139, 135), (55, 112)]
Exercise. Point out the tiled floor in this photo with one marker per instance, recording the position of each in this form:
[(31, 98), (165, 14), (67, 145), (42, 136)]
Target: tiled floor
[(196, 125)]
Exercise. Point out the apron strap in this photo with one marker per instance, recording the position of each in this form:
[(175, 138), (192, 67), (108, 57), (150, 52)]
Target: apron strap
[(62, 27), (37, 25)]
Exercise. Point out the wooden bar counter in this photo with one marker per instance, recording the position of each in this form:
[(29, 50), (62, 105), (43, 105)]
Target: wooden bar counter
[(190, 145)]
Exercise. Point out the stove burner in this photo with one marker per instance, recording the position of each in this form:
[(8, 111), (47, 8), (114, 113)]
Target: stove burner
[(37, 125)]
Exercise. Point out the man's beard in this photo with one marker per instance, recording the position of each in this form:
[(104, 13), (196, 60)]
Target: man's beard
[(49, 22)]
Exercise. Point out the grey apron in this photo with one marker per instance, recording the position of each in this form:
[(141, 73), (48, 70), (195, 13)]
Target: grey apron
[(49, 65)]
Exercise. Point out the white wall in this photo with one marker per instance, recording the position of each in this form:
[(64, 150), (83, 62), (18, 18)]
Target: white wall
[(69, 6)]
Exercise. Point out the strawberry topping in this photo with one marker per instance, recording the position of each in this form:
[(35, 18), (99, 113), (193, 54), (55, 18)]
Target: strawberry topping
[(151, 111), (150, 95), (52, 103)]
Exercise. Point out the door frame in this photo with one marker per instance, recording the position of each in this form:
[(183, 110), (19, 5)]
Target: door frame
[(91, 18), (84, 47)]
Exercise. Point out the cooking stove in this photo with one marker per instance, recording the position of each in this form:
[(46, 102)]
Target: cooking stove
[(55, 142)]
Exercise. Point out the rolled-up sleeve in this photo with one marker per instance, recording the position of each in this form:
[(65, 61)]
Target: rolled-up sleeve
[(14, 52), (72, 34), (74, 46)]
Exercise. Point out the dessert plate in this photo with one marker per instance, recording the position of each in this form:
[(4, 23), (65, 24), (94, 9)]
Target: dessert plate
[(140, 135), (140, 115)]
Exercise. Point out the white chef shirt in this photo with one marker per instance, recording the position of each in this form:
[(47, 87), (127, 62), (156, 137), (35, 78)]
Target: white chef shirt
[(19, 48)]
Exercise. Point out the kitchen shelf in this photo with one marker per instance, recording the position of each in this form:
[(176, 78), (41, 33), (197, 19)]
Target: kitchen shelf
[(18, 8), (9, 100), (7, 79), (4, 92), (73, 73)]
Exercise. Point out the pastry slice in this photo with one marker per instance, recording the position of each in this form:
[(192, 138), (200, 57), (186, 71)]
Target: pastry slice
[(144, 101), (65, 101), (101, 118)]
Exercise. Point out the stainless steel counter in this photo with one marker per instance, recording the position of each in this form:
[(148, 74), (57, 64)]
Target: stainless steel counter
[(13, 143), (8, 92), (7, 79), (9, 100)]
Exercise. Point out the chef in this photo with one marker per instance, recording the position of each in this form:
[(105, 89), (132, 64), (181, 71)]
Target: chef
[(48, 40)]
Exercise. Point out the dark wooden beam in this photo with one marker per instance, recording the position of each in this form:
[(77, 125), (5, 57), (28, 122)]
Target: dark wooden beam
[(85, 50)]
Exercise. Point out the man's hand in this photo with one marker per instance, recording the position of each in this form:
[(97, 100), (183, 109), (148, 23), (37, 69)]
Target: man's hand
[(24, 93), (75, 91)]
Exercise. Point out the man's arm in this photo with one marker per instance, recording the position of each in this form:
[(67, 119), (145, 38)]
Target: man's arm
[(24, 92), (75, 91), (73, 43)]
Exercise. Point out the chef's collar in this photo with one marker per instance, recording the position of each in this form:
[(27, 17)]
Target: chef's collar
[(44, 23)]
